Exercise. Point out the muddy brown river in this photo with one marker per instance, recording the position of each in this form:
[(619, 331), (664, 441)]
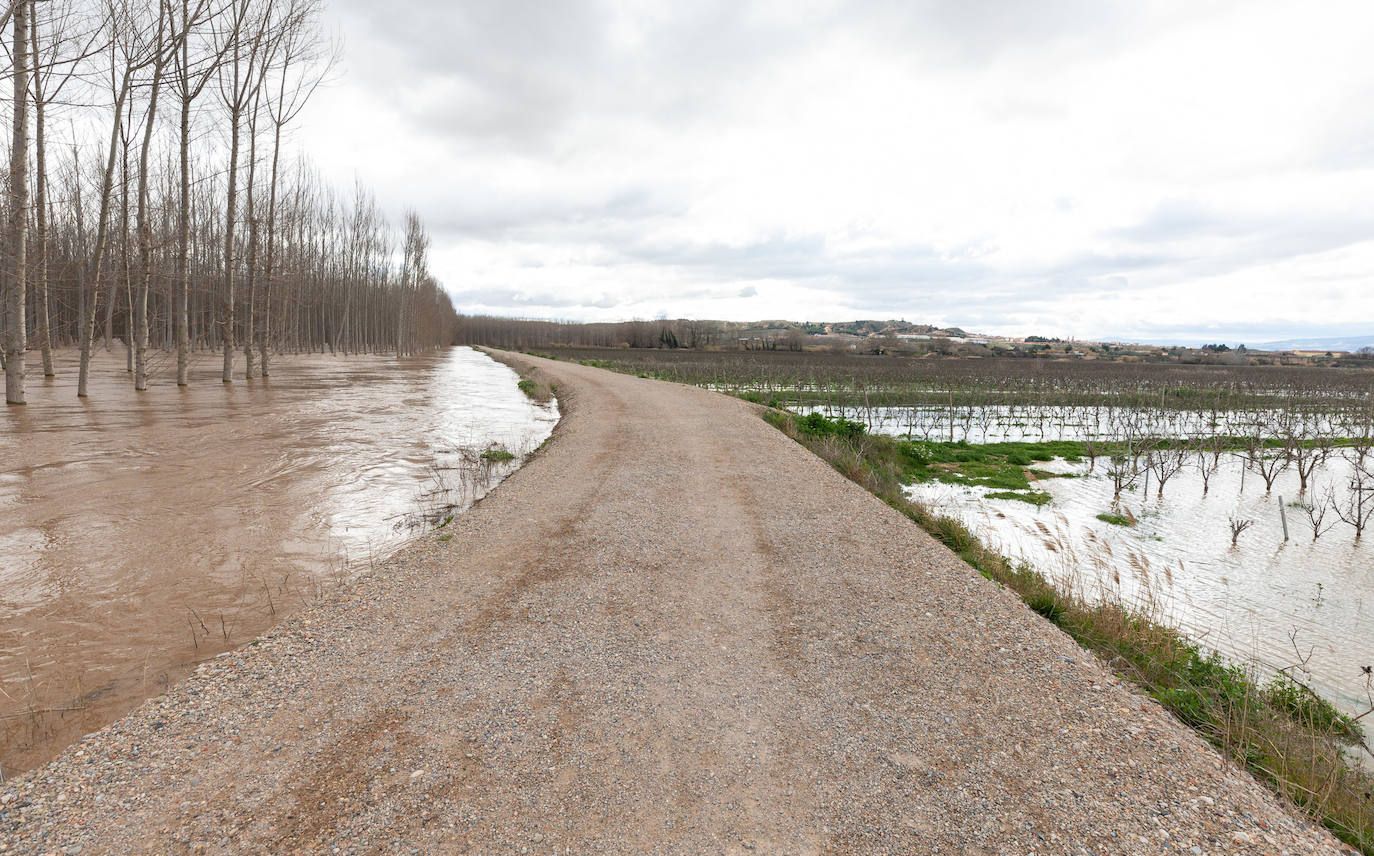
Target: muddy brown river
[(141, 534)]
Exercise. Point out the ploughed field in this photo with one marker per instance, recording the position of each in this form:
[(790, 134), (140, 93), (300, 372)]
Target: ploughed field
[(144, 534), (867, 380)]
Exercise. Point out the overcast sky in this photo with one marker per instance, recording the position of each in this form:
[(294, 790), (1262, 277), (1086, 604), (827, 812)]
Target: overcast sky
[(1149, 170)]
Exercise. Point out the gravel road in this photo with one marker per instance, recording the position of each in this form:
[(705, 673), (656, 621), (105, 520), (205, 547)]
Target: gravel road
[(673, 631)]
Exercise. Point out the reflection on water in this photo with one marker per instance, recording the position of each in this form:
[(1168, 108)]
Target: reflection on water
[(142, 533), (1265, 600)]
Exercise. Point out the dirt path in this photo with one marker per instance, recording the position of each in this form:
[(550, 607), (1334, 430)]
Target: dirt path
[(673, 631)]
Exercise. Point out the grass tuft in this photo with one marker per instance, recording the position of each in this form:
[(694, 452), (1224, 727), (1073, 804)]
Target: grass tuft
[(1116, 519)]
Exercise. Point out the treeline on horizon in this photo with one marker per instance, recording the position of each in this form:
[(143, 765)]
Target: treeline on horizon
[(149, 198), (684, 333), (518, 334), (852, 337)]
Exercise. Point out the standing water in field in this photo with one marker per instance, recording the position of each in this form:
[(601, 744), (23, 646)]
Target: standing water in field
[(143, 533), (1303, 604)]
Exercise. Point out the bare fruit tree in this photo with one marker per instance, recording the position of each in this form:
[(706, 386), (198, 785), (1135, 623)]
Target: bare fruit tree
[(1356, 506), (1238, 525), (1316, 509)]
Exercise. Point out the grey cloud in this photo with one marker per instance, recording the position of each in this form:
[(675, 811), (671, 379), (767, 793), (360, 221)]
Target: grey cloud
[(551, 87), (517, 298), (521, 72), (1240, 240), (1172, 219), (974, 32), (544, 216)]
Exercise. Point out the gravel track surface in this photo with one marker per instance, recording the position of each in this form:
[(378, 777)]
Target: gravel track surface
[(673, 631)]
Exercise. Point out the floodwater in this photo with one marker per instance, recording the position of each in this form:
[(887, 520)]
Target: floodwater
[(1035, 424), (141, 533), (1273, 603), (1303, 604)]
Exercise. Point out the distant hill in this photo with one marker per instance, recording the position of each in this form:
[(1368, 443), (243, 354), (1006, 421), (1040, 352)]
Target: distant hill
[(1334, 343)]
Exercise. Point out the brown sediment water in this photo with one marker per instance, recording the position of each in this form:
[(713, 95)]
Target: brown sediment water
[(142, 533)]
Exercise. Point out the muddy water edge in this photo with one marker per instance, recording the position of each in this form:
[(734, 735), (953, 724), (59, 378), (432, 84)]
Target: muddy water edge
[(141, 534)]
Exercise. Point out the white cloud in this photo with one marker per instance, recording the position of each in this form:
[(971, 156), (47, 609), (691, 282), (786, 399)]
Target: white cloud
[(1063, 167)]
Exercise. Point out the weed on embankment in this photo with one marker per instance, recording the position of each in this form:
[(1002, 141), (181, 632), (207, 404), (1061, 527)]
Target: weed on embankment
[(1276, 727)]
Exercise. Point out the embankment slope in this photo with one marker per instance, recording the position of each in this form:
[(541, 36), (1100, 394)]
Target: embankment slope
[(674, 631)]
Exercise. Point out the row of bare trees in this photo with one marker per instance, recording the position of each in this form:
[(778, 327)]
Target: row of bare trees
[(523, 334), (151, 199), (1339, 450), (1330, 450)]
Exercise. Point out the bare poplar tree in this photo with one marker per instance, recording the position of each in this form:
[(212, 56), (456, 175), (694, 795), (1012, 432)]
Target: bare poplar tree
[(242, 34), (183, 254), (161, 55), (300, 70), (122, 45), (55, 59), (16, 289), (194, 64), (413, 272)]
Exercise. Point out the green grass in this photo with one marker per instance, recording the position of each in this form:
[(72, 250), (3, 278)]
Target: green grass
[(1285, 734), (497, 455), (536, 390), (1033, 497), (1004, 469), (1115, 519)]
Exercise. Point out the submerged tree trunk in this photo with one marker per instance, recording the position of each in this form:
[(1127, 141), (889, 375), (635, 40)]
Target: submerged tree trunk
[(183, 268), (15, 332), (250, 217), (227, 321), (41, 213), (271, 255), (145, 229), (87, 331)]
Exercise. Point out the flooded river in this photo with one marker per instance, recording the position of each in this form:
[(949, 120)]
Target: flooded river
[(141, 533)]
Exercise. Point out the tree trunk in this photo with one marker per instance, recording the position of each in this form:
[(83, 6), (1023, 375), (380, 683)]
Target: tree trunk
[(87, 331), (271, 254), (250, 215), (183, 268), (15, 331), (41, 212), (145, 228), (227, 322)]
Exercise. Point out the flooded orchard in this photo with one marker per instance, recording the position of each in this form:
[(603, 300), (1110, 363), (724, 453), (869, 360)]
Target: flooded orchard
[(1206, 553), (142, 535), (1302, 604)]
